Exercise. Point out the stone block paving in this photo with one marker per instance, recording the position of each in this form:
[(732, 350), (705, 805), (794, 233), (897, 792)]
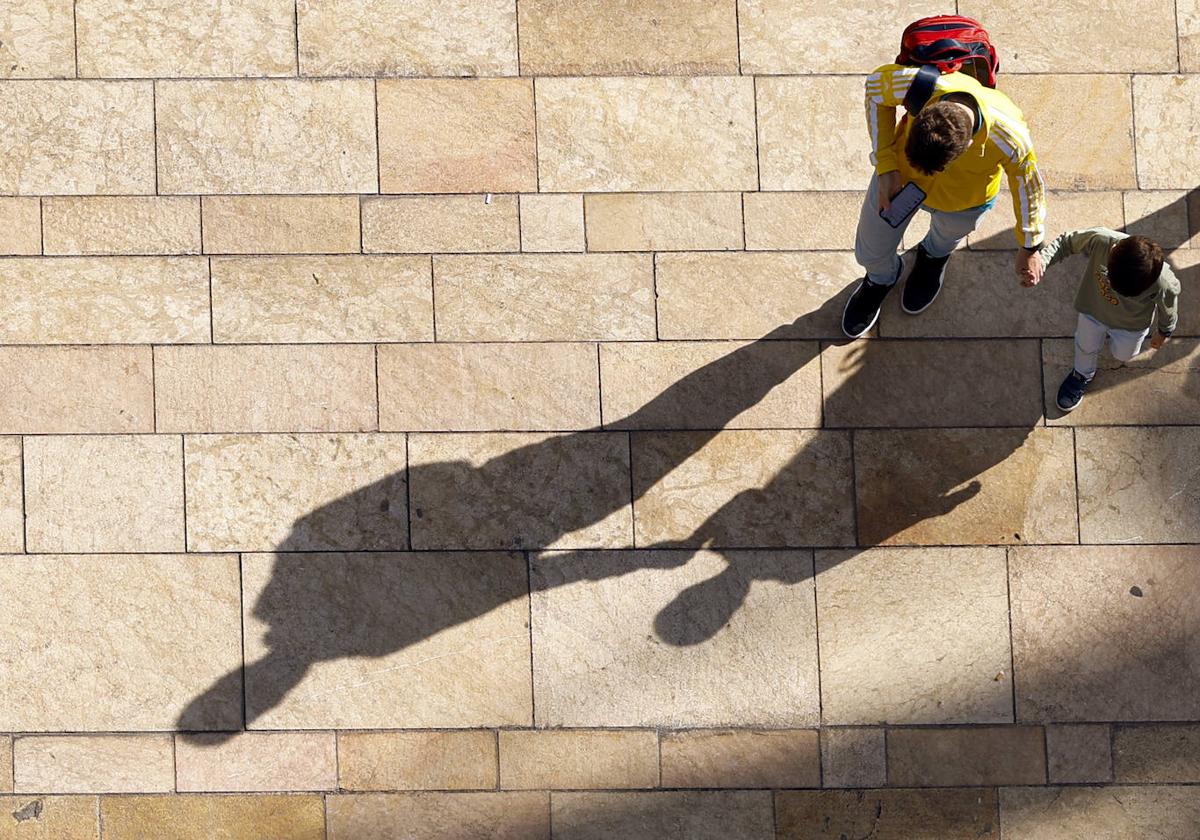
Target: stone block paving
[(429, 418)]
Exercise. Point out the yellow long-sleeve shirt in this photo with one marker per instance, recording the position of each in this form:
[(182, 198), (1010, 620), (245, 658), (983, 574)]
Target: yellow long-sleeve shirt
[(1002, 145)]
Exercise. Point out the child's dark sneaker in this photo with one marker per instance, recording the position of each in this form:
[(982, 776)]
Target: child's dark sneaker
[(862, 310), (923, 283), (1071, 391)]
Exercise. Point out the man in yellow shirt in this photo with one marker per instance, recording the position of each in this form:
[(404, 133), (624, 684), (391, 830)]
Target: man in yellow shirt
[(955, 148)]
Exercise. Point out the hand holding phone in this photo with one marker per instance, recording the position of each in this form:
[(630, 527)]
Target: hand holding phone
[(903, 205)]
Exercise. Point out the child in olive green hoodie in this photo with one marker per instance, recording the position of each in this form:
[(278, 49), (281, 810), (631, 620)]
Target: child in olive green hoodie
[(1126, 284)]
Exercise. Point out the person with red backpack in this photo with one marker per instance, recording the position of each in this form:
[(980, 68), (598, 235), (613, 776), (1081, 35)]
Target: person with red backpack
[(948, 155)]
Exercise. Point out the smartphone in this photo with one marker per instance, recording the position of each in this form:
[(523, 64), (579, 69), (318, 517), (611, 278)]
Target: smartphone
[(904, 205)]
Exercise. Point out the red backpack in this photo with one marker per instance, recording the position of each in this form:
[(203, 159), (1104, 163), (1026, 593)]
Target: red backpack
[(945, 44)]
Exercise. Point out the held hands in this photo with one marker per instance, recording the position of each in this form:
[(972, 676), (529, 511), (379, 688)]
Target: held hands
[(889, 185), (1029, 268), (1158, 340)]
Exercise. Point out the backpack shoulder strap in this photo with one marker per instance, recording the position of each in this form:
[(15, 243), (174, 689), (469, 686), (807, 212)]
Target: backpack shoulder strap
[(922, 87)]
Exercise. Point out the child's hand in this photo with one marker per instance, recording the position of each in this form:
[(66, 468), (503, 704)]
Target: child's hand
[(1159, 340)]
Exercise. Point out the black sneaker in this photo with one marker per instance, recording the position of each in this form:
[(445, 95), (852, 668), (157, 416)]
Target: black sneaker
[(1071, 391), (862, 310), (923, 283)]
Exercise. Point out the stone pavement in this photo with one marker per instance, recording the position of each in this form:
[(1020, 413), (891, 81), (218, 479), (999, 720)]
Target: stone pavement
[(388, 454)]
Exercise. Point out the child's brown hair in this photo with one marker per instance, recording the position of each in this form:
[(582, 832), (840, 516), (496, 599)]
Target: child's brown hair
[(940, 132), (1134, 264)]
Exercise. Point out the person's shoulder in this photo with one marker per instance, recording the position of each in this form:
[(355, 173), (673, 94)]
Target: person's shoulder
[(890, 72), (1168, 281)]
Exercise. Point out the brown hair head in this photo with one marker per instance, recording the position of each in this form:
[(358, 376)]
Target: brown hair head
[(940, 132), (1134, 264)]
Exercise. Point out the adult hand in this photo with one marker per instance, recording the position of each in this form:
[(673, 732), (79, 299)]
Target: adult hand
[(1029, 267), (889, 185), (1159, 340)]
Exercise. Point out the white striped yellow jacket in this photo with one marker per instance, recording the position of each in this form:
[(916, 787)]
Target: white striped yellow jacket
[(1002, 145)]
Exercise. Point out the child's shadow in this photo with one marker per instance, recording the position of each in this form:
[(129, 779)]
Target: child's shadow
[(322, 607)]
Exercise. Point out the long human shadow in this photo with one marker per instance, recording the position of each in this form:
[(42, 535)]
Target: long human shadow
[(369, 605)]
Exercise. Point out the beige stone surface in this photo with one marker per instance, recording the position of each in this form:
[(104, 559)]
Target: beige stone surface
[(696, 815), (20, 226), (907, 814), (94, 764), (675, 639), (908, 383), (713, 385), (693, 221), (812, 134), (474, 135), (808, 221), (805, 36), (203, 817), (1138, 484), (995, 755), (853, 757), (6, 764), (562, 297), (440, 223), (575, 759), (365, 641), (1107, 813), (63, 390), (37, 39), (1079, 753), (121, 225), (434, 816), (632, 37), (648, 134), (982, 298), (1088, 647), (104, 493), (246, 388), (1188, 14), (1168, 752), (1158, 387), (76, 138), (125, 642), (965, 486), (1035, 36), (747, 296), (50, 818), (243, 136), (1167, 154), (1161, 215), (104, 300), (302, 492), (1095, 153), (12, 516), (257, 761), (1065, 211), (552, 222), (1187, 267), (407, 38), (281, 224), (488, 387), (321, 299), (706, 758), (914, 636), (185, 38), (417, 760), (520, 490), (777, 488)]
